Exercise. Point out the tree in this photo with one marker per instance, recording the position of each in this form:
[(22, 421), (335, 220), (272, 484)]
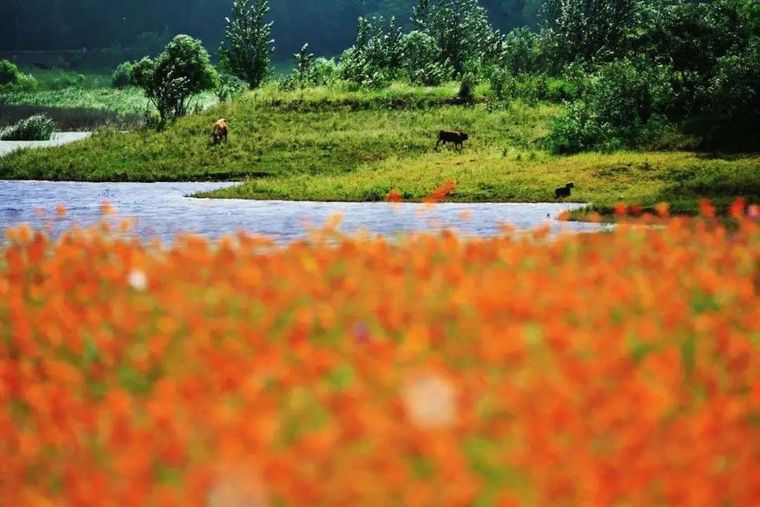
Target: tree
[(587, 30), (179, 73), (460, 28), (249, 41)]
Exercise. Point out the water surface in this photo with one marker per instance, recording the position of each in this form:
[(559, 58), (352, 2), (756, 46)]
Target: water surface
[(162, 210)]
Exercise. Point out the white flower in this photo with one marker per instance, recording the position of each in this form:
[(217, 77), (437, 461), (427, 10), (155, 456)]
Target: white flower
[(137, 280), (430, 401), (238, 488)]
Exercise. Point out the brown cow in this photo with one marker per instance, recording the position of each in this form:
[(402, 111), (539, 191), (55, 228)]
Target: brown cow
[(450, 136), (221, 130)]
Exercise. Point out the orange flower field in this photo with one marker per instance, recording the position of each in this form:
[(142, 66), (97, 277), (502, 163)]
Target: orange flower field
[(617, 368)]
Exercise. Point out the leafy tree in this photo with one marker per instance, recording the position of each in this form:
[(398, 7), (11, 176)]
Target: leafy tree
[(520, 52), (249, 43), (180, 72), (587, 30), (376, 56), (735, 89), (460, 28), (421, 59), (624, 103)]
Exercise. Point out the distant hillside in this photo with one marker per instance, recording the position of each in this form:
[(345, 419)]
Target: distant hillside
[(144, 25)]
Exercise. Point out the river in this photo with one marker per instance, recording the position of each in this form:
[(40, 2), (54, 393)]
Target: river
[(162, 210)]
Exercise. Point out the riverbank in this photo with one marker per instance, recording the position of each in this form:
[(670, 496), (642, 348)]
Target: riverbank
[(333, 145)]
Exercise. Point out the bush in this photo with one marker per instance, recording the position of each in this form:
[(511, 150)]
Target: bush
[(310, 71), (12, 78), (9, 73), (467, 88), (65, 80), (616, 109), (35, 128), (121, 76), (229, 87)]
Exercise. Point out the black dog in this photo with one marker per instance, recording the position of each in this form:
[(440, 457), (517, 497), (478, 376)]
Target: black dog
[(450, 136), (562, 192)]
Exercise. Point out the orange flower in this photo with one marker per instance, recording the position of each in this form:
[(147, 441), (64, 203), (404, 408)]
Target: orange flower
[(615, 368), (394, 196)]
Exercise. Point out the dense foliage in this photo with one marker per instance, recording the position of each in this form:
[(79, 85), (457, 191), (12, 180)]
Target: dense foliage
[(131, 29), (248, 45), (604, 369), (39, 127), (179, 73), (12, 79)]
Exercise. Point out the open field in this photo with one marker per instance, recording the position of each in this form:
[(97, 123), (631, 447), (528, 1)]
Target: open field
[(327, 144), (365, 372)]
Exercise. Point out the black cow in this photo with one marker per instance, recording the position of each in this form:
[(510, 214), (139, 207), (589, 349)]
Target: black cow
[(562, 192), (451, 136)]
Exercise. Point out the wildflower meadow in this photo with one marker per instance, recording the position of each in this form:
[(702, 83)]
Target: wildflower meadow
[(617, 368)]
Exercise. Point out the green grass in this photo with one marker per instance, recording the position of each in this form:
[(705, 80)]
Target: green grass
[(338, 144), (129, 101), (53, 79), (123, 102), (678, 178), (65, 90)]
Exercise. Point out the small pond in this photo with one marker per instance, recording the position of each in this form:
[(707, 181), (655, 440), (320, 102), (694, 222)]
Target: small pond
[(163, 209)]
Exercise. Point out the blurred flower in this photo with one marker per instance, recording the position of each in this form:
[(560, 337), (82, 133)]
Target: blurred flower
[(430, 401), (137, 280)]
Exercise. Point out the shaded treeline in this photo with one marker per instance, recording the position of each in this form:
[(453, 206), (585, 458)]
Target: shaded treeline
[(145, 25)]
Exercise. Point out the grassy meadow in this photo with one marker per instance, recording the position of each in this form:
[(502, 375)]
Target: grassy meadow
[(342, 145)]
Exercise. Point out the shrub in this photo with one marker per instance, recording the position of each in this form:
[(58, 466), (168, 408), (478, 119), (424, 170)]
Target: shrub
[(621, 99), (175, 76), (9, 73), (229, 87), (12, 78), (324, 71), (65, 80), (39, 127), (467, 88), (121, 76), (310, 71)]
